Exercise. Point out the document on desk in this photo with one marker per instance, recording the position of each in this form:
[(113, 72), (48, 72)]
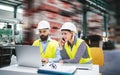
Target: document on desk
[(57, 68), (84, 66)]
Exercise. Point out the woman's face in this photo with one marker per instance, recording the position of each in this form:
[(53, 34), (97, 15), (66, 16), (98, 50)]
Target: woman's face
[(66, 35)]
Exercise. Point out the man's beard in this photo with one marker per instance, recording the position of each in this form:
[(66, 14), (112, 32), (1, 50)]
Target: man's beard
[(43, 37)]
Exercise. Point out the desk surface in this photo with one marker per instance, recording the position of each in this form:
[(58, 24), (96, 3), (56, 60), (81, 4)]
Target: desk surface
[(19, 70)]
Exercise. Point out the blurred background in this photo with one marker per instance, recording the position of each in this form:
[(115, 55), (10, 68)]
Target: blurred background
[(97, 21)]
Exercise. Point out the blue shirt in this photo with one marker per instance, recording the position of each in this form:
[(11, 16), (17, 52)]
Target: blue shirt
[(58, 56)]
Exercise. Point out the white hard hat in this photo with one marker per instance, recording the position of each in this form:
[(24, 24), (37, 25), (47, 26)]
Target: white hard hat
[(69, 26), (43, 24)]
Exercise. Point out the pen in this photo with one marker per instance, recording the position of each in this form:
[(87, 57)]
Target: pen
[(82, 68)]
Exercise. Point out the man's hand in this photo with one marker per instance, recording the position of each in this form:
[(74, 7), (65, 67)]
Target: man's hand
[(61, 61), (45, 60)]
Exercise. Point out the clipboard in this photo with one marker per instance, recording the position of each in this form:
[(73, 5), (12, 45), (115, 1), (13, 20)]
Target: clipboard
[(58, 70)]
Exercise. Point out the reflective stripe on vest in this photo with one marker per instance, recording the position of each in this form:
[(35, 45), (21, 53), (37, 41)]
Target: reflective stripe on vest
[(50, 51), (72, 52)]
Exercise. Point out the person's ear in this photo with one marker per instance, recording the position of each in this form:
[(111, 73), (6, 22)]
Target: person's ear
[(48, 31), (72, 33)]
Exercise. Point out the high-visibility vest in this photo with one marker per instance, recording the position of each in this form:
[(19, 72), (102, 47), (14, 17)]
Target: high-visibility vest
[(72, 52), (50, 51)]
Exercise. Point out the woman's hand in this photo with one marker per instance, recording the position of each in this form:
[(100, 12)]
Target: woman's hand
[(61, 43)]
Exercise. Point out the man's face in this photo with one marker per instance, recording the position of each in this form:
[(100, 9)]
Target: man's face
[(44, 33)]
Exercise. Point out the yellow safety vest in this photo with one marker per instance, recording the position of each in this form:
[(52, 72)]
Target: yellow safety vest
[(72, 53), (50, 51)]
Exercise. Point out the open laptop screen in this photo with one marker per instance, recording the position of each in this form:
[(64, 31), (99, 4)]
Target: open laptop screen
[(28, 56)]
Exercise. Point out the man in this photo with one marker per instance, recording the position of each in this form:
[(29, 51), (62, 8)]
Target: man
[(73, 49), (49, 49)]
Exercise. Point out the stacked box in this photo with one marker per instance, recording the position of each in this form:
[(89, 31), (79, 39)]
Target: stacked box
[(55, 11)]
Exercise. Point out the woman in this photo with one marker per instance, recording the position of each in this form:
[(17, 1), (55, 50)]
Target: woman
[(73, 49)]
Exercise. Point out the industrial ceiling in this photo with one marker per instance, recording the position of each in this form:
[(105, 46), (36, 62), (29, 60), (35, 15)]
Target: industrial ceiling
[(11, 2), (110, 5)]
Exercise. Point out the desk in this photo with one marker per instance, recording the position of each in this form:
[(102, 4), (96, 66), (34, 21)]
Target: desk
[(19, 70)]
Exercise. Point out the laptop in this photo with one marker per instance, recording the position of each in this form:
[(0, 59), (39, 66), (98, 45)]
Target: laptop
[(28, 56)]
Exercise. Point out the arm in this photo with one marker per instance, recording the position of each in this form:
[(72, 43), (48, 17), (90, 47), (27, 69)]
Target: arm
[(58, 56), (35, 43), (81, 50), (64, 54)]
